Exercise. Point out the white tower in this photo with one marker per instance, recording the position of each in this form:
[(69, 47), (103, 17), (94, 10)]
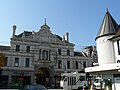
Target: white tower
[(105, 48)]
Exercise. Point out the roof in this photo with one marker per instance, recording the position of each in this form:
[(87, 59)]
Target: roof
[(108, 26), (27, 33), (59, 37), (116, 35), (4, 47), (78, 54)]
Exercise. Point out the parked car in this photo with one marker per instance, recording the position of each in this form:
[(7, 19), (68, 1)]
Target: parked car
[(35, 87)]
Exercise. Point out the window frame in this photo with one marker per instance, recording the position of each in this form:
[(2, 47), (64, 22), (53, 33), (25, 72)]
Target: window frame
[(68, 64), (59, 63), (59, 51), (76, 64), (27, 62), (28, 49), (17, 48), (118, 46), (68, 52), (16, 62)]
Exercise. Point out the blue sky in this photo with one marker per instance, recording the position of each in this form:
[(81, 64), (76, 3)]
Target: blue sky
[(81, 18)]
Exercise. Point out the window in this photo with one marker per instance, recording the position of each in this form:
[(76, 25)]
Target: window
[(71, 80), (45, 55), (6, 59), (118, 45), (27, 62), (59, 64), (39, 54), (68, 52), (59, 51), (49, 54), (76, 64), (84, 64), (68, 64), (16, 63), (27, 48), (17, 48)]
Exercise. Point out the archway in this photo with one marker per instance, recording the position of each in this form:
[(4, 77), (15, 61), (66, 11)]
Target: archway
[(43, 76)]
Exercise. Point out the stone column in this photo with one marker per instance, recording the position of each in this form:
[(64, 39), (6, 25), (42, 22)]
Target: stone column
[(32, 77), (9, 77)]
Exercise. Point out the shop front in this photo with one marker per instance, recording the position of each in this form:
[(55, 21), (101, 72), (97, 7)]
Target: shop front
[(21, 78), (10, 78)]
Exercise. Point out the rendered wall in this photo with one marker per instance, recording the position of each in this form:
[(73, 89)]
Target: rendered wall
[(105, 50)]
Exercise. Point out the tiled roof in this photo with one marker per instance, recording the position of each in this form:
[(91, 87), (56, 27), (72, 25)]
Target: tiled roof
[(108, 26)]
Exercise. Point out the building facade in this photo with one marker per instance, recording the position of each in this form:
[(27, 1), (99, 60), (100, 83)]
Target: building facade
[(40, 57)]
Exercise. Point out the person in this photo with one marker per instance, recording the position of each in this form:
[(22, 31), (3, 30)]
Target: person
[(84, 86)]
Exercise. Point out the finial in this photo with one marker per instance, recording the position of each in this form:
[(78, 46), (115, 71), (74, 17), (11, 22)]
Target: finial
[(14, 27), (107, 10), (45, 21)]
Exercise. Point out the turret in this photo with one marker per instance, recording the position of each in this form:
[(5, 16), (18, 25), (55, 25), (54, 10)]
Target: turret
[(105, 48), (14, 30)]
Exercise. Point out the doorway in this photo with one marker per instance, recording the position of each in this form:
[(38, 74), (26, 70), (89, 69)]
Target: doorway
[(43, 77)]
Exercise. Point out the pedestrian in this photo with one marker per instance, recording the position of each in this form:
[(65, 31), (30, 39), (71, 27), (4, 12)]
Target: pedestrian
[(84, 86)]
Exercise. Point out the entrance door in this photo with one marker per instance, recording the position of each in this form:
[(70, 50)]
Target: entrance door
[(43, 77)]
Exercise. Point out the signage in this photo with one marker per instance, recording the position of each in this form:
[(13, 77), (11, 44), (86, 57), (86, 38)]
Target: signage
[(18, 73), (2, 59)]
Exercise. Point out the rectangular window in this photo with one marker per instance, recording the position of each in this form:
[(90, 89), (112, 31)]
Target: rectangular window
[(5, 62), (76, 64), (27, 62), (16, 63), (17, 48), (84, 64), (59, 64), (68, 52), (59, 51), (118, 45), (27, 48), (49, 54), (68, 64), (39, 54)]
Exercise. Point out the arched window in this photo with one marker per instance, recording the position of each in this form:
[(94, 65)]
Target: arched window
[(45, 55)]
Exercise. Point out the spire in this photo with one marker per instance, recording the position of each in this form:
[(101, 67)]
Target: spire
[(45, 26), (45, 22), (108, 26), (107, 10)]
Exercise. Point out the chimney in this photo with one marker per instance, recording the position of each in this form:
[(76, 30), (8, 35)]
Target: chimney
[(67, 37), (14, 30), (63, 39), (23, 35)]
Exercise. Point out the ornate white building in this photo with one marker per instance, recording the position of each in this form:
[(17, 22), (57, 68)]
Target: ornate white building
[(40, 57)]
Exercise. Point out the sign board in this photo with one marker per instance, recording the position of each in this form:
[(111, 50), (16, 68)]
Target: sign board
[(2, 59)]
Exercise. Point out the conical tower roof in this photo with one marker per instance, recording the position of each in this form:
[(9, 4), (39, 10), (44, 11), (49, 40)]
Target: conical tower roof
[(108, 26)]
